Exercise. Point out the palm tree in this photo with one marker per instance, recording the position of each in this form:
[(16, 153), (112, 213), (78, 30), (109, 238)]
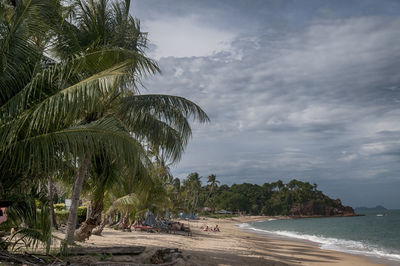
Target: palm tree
[(212, 182), (192, 187), (133, 198), (42, 100), (158, 120), (212, 187), (45, 105), (76, 104), (105, 170)]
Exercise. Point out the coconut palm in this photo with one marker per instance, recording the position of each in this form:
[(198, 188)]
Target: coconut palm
[(71, 102), (192, 188), (133, 198), (212, 183), (44, 104), (157, 120), (212, 187)]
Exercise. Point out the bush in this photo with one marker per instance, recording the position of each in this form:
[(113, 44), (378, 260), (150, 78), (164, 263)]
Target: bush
[(62, 216), (60, 207), (82, 210)]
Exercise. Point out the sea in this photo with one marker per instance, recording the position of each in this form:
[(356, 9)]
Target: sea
[(375, 235)]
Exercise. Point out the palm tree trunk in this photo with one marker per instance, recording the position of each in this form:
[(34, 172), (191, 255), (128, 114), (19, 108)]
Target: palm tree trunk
[(51, 203), (124, 223), (99, 229), (85, 231), (76, 192)]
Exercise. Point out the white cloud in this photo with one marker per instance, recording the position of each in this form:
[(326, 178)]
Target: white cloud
[(185, 37), (381, 148), (348, 157)]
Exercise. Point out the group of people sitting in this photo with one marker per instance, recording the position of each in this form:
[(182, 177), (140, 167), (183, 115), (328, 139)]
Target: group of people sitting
[(210, 229)]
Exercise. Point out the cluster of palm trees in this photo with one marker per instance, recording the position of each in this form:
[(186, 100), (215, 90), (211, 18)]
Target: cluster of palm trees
[(191, 196), (71, 110)]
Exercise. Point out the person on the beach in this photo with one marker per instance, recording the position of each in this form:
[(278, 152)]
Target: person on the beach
[(216, 228), (206, 228)]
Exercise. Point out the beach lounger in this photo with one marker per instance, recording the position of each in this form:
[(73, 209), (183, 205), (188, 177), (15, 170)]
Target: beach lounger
[(146, 228)]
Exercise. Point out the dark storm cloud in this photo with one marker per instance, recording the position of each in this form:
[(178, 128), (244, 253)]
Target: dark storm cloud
[(316, 100)]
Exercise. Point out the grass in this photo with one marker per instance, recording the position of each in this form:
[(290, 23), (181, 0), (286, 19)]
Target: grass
[(104, 256)]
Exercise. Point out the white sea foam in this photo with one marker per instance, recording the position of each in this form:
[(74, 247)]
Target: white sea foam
[(348, 246), (244, 225)]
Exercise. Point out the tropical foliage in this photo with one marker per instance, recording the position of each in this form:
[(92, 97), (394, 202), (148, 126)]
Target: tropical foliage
[(275, 198), (71, 110)]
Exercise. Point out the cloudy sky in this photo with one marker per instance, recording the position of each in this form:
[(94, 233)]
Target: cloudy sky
[(294, 89)]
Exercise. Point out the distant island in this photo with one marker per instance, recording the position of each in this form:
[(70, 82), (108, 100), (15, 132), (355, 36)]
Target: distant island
[(377, 208)]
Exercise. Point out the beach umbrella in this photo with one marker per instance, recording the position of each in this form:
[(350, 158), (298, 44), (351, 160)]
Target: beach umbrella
[(150, 220)]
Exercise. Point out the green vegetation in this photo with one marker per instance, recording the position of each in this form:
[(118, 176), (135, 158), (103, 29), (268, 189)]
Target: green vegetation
[(73, 122), (218, 216), (270, 198), (62, 216), (275, 198)]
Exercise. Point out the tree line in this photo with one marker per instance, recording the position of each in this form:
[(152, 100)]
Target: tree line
[(276, 198)]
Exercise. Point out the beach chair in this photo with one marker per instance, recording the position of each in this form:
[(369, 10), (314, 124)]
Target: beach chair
[(146, 228), (164, 226)]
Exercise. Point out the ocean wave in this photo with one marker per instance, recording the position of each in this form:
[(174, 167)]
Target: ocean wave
[(244, 225), (329, 243)]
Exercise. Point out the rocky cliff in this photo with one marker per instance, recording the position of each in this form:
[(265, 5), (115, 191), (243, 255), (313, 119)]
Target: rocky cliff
[(321, 208)]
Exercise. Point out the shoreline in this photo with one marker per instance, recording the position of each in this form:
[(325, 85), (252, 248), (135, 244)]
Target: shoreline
[(254, 230), (231, 246)]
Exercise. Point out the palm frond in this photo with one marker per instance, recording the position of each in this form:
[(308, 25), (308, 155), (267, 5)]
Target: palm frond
[(166, 107), (67, 88), (38, 152)]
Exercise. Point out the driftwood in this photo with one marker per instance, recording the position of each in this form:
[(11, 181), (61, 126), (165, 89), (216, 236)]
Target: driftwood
[(162, 257), (133, 250), (166, 255)]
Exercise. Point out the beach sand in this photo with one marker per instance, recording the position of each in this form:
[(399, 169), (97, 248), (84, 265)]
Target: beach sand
[(231, 246)]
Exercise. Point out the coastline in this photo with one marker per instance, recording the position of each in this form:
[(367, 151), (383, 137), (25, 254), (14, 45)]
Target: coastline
[(342, 258), (231, 246), (301, 239)]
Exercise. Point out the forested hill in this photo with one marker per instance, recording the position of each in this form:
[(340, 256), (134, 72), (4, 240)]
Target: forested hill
[(295, 198)]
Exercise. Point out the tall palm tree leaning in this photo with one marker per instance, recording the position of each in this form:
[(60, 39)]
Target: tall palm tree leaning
[(45, 101), (158, 120), (52, 108)]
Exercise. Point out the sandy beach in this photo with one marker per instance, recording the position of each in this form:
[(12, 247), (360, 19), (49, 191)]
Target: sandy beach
[(231, 246)]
